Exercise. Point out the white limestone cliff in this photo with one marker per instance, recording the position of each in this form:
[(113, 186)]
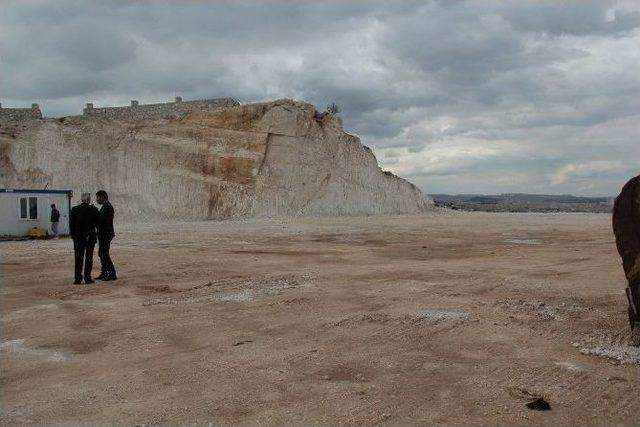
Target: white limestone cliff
[(280, 158)]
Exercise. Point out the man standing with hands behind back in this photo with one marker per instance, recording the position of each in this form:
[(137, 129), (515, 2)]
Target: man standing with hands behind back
[(82, 224), (105, 235)]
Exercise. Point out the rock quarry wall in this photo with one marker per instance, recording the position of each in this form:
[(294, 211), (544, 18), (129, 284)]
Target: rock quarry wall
[(280, 158)]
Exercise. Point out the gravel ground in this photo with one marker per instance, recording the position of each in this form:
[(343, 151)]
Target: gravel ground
[(442, 319)]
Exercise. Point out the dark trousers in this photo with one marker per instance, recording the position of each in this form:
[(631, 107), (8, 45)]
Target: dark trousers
[(104, 244), (83, 249)]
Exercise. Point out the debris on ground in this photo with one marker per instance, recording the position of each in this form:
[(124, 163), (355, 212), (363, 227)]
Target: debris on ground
[(534, 401), (541, 309), (615, 347), (539, 405)]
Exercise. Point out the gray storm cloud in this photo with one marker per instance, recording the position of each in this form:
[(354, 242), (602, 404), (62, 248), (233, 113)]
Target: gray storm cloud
[(458, 96)]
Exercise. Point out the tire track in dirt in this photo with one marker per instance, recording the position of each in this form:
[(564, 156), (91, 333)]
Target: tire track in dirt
[(573, 388), (226, 290), (403, 328)]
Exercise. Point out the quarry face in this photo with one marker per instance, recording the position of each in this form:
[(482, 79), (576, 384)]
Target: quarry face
[(281, 158)]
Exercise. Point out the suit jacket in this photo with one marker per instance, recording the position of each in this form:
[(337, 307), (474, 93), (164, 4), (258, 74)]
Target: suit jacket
[(83, 221), (105, 221)]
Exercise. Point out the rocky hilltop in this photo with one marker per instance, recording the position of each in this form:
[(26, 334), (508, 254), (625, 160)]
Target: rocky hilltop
[(280, 158)]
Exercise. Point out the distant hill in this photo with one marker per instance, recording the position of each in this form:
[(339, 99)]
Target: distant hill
[(520, 202)]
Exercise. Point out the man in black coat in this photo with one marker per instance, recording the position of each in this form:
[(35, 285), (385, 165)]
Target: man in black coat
[(55, 220), (82, 223), (105, 235)]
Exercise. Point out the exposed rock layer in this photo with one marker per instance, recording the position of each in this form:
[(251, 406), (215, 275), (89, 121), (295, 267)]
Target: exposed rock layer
[(272, 159)]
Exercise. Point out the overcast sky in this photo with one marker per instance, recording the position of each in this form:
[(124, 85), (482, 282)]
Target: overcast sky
[(456, 96)]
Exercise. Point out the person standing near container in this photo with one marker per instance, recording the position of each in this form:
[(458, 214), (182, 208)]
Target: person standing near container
[(55, 220)]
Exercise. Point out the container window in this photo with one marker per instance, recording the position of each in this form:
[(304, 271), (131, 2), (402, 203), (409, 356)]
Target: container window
[(33, 208), (23, 208), (28, 208)]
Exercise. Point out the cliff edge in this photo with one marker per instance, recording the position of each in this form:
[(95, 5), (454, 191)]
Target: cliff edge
[(280, 158)]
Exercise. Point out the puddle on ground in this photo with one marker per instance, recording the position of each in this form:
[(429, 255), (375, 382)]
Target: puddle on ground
[(17, 347), (242, 296), (569, 366), (523, 241)]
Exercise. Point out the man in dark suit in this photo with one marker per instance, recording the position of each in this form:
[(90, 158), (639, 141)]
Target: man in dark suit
[(105, 235), (82, 222), (55, 219)]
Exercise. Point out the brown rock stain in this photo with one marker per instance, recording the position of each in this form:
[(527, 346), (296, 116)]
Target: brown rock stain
[(236, 118), (237, 169)]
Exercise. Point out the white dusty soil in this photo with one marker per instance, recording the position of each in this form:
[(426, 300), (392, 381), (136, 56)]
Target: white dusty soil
[(441, 319)]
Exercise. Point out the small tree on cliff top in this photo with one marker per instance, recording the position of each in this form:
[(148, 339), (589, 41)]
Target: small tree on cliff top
[(333, 108)]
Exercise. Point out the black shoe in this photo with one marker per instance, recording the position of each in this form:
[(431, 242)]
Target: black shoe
[(110, 278), (89, 281), (102, 276), (77, 282)]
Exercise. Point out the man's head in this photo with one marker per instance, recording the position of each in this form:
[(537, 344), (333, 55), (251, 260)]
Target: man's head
[(85, 197), (53, 205), (102, 197)]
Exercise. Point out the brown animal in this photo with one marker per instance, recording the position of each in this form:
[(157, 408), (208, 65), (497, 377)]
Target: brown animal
[(626, 227)]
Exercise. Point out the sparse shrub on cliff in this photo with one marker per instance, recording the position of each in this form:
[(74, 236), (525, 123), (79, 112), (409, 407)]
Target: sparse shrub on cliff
[(333, 108)]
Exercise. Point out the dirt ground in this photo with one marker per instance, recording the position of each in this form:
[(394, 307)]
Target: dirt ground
[(442, 319)]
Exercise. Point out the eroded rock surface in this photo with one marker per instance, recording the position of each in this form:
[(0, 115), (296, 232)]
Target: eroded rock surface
[(280, 158), (626, 227)]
